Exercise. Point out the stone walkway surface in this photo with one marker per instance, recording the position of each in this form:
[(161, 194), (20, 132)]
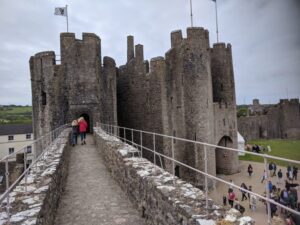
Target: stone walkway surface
[(91, 196)]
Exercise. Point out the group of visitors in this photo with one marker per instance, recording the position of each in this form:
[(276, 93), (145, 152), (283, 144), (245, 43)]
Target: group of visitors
[(288, 196), (79, 125), (258, 149), (233, 200), (292, 173)]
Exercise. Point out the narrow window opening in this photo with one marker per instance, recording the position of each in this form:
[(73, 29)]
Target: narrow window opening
[(143, 212), (11, 150), (177, 171), (44, 98)]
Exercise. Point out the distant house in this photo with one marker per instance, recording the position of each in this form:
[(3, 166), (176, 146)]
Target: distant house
[(13, 137)]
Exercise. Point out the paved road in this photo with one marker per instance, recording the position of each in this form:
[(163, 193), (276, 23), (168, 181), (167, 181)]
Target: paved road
[(91, 196)]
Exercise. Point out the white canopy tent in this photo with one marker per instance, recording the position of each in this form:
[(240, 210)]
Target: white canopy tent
[(241, 143)]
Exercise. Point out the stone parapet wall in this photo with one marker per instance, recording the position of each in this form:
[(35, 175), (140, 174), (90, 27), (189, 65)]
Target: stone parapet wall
[(152, 190), (45, 183)]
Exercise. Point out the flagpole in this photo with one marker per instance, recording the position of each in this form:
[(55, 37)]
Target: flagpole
[(67, 19), (217, 29), (191, 8)]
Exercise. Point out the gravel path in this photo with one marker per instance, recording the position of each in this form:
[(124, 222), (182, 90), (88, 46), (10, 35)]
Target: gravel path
[(91, 196)]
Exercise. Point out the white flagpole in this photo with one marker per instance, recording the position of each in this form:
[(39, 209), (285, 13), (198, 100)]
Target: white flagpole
[(217, 29), (67, 19), (191, 8)]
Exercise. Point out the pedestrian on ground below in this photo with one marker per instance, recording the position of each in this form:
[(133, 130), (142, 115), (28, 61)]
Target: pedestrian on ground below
[(250, 170), (243, 185)]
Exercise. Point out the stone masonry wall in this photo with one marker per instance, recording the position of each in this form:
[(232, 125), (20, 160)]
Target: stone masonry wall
[(48, 97), (45, 183), (279, 121), (152, 191), (79, 86), (176, 97)]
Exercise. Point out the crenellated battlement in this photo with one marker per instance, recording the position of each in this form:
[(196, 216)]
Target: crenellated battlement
[(291, 101), (176, 38), (194, 35), (139, 53), (45, 54)]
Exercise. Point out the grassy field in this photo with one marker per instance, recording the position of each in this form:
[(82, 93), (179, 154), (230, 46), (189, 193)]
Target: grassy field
[(283, 148), (15, 114)]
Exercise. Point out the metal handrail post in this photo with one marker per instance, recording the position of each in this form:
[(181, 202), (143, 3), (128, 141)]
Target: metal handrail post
[(173, 163), (206, 182), (7, 187), (141, 138), (124, 131), (154, 150), (267, 190), (25, 165)]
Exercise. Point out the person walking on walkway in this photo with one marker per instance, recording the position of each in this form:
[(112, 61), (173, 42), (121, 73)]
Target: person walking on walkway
[(274, 169), (295, 172), (250, 170), (243, 185), (253, 201), (271, 168), (74, 132), (82, 129), (264, 176), (231, 197), (279, 177)]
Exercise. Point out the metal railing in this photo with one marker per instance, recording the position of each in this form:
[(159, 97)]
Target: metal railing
[(117, 130), (40, 150)]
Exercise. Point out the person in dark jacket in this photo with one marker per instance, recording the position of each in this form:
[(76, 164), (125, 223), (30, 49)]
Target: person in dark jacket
[(295, 172), (279, 177), (74, 132), (243, 185), (250, 170)]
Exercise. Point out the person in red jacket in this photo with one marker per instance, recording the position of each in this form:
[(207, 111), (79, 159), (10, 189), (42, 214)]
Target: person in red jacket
[(82, 129)]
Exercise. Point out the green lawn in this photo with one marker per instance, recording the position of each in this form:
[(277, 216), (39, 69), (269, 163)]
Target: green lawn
[(15, 114), (283, 148)]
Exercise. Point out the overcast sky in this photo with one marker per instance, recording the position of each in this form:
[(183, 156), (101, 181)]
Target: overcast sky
[(265, 38)]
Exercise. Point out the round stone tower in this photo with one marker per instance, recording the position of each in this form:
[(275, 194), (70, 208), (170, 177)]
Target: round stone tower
[(225, 107)]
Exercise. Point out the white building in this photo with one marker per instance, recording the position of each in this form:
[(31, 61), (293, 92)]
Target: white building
[(13, 137)]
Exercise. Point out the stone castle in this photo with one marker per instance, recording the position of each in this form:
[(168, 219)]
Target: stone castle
[(281, 120), (189, 93)]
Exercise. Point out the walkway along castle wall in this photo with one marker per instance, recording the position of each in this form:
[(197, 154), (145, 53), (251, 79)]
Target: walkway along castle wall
[(45, 183)]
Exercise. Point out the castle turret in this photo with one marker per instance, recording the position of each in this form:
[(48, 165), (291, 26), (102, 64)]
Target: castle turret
[(225, 108), (81, 62), (45, 79), (108, 92), (188, 66), (130, 48), (139, 53)]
